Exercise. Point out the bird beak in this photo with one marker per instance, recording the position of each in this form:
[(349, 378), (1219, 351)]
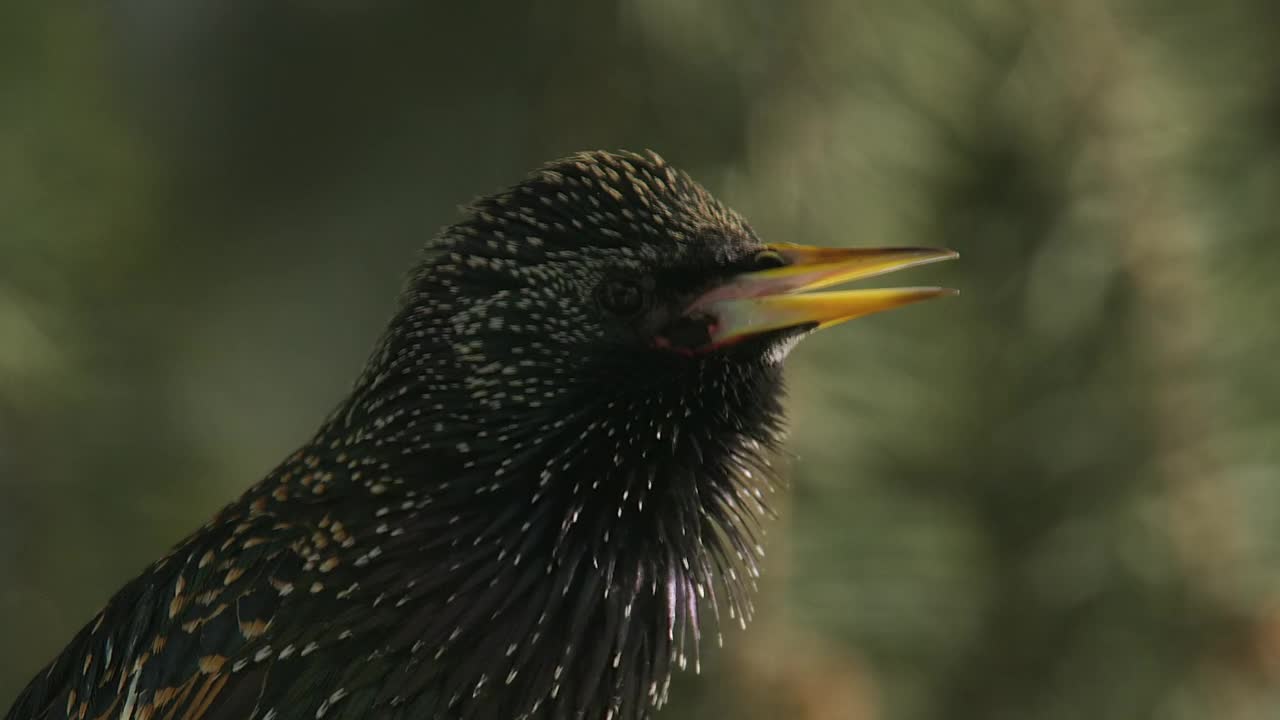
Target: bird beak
[(765, 300)]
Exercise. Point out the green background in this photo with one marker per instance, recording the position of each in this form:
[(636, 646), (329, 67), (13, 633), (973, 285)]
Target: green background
[(1055, 496)]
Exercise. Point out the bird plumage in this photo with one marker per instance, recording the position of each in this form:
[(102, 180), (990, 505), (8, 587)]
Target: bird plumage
[(524, 509)]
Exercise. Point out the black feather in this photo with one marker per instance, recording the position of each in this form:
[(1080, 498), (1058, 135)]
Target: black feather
[(521, 511)]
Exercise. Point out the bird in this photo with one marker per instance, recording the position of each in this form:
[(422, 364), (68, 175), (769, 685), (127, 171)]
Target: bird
[(547, 483)]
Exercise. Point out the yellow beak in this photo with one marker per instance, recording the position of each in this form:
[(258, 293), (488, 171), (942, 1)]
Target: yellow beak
[(765, 300)]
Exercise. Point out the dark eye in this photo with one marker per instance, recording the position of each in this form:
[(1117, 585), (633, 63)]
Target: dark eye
[(622, 297), (766, 259)]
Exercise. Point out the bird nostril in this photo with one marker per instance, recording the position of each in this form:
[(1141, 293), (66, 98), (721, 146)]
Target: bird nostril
[(768, 259)]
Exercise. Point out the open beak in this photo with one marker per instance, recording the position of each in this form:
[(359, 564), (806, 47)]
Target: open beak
[(765, 300)]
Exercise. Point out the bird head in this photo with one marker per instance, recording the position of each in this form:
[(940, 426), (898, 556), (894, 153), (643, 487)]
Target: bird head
[(583, 382), (609, 271)]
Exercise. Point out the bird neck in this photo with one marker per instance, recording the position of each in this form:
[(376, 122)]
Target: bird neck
[(582, 544)]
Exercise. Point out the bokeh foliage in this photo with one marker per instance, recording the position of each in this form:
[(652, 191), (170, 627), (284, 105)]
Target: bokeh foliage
[(1053, 497)]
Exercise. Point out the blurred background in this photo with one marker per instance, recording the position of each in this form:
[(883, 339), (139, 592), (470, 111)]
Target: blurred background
[(1056, 496)]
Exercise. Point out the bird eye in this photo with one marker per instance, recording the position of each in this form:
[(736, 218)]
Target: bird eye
[(622, 297), (766, 259)]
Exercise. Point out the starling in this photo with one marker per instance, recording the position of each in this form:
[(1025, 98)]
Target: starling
[(551, 469)]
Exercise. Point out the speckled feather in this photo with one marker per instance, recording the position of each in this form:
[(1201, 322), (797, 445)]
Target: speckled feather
[(519, 512)]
